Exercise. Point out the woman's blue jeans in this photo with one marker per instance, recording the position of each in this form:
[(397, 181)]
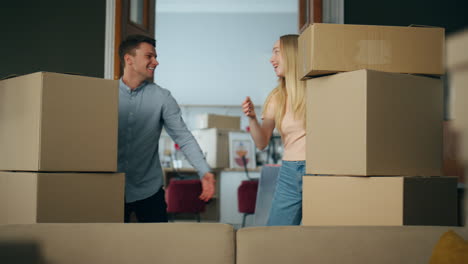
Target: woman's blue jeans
[(286, 207)]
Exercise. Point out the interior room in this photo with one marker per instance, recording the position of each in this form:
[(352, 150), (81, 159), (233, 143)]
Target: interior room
[(234, 131)]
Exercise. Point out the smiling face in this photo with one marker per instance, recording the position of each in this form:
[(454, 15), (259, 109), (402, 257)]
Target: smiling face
[(142, 62), (277, 59)]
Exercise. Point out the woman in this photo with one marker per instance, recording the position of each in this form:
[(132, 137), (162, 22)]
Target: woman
[(284, 109)]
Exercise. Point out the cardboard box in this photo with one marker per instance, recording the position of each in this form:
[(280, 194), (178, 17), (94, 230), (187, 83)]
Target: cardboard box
[(218, 121), (58, 122), (379, 201), (374, 123), (331, 48), (214, 144), (30, 197)]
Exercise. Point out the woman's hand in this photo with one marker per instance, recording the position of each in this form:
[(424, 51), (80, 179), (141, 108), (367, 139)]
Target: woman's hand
[(248, 108)]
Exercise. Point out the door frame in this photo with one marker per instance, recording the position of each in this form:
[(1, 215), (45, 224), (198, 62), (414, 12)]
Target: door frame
[(110, 51), (115, 29)]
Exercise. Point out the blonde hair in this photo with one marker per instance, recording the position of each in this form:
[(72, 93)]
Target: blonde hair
[(290, 89)]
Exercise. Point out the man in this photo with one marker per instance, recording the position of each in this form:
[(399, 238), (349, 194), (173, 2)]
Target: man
[(144, 109)]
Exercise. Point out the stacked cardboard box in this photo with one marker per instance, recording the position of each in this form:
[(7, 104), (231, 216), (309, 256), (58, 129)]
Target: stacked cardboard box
[(214, 143), (457, 67), (212, 134), (205, 121), (331, 48), (219, 147), (374, 120), (58, 155)]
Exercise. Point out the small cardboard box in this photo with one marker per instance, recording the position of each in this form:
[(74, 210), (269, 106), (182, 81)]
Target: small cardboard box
[(331, 48), (58, 122), (374, 123), (218, 121), (214, 144), (32, 197), (379, 201)]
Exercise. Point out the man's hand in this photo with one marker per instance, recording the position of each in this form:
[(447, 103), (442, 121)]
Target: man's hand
[(208, 187)]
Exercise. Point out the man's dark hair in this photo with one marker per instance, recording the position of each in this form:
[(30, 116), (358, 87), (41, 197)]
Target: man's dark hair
[(131, 43)]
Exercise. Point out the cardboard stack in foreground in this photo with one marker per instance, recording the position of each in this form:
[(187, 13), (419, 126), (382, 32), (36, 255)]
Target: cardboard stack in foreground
[(374, 132), (58, 159)]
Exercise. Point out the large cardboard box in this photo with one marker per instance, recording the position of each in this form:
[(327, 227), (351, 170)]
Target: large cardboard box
[(214, 144), (58, 122), (379, 201), (30, 197), (330, 48), (374, 123), (218, 121)]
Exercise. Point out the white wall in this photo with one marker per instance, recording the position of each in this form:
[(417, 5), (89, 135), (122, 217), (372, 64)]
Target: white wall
[(218, 58), (191, 113)]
